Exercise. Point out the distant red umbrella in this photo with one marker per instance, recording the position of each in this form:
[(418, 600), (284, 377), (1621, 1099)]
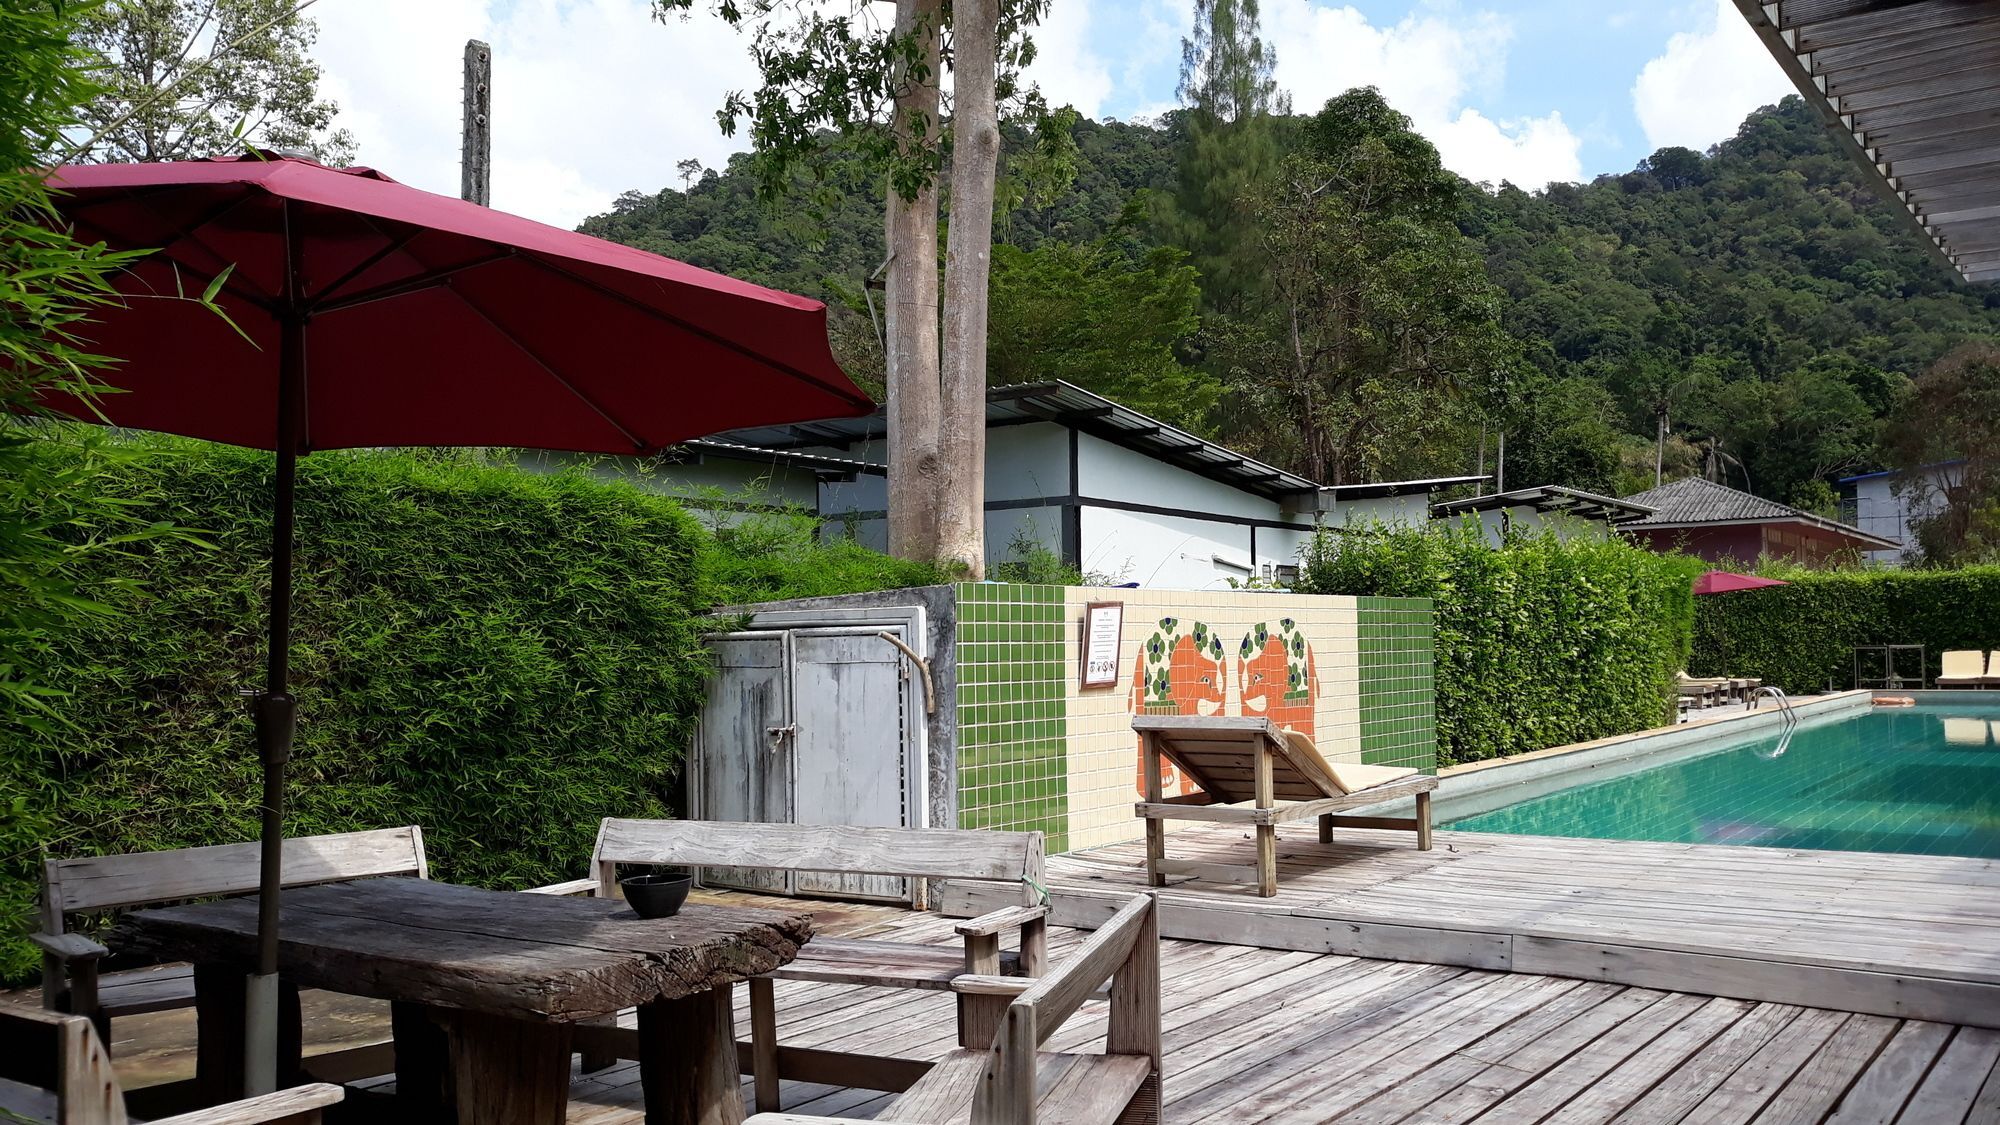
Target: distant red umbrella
[(380, 315), (1726, 582)]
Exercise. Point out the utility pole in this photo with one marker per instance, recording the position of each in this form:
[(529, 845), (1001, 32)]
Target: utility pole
[(475, 150)]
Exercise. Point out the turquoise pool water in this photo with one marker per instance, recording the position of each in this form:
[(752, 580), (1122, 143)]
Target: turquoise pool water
[(1922, 780)]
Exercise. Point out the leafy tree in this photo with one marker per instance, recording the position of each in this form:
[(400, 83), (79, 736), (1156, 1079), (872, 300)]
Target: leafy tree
[(1064, 311), (1228, 146), (1950, 424), (834, 82), (1381, 312), (193, 78)]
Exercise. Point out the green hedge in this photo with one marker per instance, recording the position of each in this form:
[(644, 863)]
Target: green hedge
[(1543, 642), (1802, 636), (501, 657)]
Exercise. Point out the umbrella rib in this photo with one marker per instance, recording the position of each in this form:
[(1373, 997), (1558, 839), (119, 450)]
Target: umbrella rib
[(431, 280), (368, 263), (572, 388), (712, 337), (200, 274)]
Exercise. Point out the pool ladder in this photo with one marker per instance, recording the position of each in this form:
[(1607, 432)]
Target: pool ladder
[(1789, 717)]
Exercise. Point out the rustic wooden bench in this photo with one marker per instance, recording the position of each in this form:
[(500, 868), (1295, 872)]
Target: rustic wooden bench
[(98, 884), (1013, 859), (1250, 761), (1011, 1080), (60, 1071)]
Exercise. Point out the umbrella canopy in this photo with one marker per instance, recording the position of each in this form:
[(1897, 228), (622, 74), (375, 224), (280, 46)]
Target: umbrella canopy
[(1726, 582), (365, 313), (428, 320)]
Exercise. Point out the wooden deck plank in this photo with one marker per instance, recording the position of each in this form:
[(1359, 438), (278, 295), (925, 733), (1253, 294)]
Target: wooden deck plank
[(1820, 1084), (1906, 937), (1878, 1096), (1956, 1079)]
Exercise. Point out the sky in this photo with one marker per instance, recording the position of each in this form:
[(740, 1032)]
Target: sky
[(592, 98)]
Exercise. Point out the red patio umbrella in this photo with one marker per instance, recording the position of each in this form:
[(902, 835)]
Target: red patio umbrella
[(369, 313), (1727, 582)]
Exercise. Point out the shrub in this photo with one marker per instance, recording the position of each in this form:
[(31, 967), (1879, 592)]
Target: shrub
[(501, 657), (771, 555), (1802, 636), (1539, 643)]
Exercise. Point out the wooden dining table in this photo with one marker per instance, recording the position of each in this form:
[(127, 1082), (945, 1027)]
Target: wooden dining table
[(487, 988)]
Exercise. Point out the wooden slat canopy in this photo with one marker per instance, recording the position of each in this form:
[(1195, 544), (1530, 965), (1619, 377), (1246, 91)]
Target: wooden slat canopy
[(1912, 89)]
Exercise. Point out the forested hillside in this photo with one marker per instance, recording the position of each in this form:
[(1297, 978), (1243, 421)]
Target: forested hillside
[(1758, 300)]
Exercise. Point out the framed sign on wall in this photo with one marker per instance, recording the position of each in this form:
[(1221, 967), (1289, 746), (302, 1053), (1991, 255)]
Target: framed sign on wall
[(1102, 624)]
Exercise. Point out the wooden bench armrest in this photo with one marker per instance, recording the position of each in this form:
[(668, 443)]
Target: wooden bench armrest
[(285, 1105), (1000, 921), (571, 887), (69, 947), (980, 984), (806, 1119)]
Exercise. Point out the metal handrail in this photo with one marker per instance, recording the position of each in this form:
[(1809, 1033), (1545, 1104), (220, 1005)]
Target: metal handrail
[(1789, 716), (1777, 693)]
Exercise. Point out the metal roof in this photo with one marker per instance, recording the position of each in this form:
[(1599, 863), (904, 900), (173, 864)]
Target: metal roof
[(1696, 502), (1068, 405), (1912, 89), (818, 462), (1386, 488), (1549, 498)]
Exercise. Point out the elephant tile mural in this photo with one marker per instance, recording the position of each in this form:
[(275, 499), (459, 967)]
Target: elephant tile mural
[(1038, 751)]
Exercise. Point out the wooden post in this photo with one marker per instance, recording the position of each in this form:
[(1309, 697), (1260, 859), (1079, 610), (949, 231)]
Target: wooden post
[(764, 1043), (1267, 834), (1423, 822), (979, 1017), (507, 1071), (1326, 828), (1134, 1027), (423, 1062), (687, 1060), (1156, 830), (1035, 947), (475, 149)]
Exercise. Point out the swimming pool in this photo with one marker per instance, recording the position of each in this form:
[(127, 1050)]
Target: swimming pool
[(1922, 780)]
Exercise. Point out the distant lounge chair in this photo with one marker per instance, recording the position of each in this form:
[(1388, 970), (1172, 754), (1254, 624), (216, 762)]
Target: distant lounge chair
[(1249, 760), (1992, 676), (1966, 667), (1703, 690)]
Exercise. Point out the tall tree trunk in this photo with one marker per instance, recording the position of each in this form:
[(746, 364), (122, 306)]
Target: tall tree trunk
[(969, 249), (911, 312)]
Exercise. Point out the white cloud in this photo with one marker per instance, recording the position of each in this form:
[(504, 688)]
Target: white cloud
[(1429, 65), (1699, 91), (1066, 69), (590, 97)]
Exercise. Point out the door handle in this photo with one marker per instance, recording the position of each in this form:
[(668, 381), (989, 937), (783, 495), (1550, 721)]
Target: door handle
[(778, 735)]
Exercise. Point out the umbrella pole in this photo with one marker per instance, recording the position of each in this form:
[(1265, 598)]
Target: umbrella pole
[(276, 712)]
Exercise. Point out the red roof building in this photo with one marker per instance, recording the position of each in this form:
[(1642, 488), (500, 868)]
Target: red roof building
[(1721, 524)]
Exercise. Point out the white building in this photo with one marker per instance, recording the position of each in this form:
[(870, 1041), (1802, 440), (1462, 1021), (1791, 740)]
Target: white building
[(1888, 502), (1121, 496)]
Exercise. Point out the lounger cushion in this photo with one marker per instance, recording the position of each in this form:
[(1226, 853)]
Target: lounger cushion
[(1345, 778), (1962, 666)]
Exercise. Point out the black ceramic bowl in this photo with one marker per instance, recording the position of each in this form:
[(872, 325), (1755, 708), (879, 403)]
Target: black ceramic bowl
[(656, 896)]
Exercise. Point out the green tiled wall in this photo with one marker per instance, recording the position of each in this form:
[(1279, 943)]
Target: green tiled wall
[(1394, 646), (1012, 692)]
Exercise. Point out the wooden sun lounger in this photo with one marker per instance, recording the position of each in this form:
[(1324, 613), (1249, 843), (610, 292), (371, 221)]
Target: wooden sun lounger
[(1278, 774), (1966, 668)]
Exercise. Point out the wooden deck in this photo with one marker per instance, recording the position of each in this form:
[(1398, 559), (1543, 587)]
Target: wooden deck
[(1901, 936), (1256, 1035)]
